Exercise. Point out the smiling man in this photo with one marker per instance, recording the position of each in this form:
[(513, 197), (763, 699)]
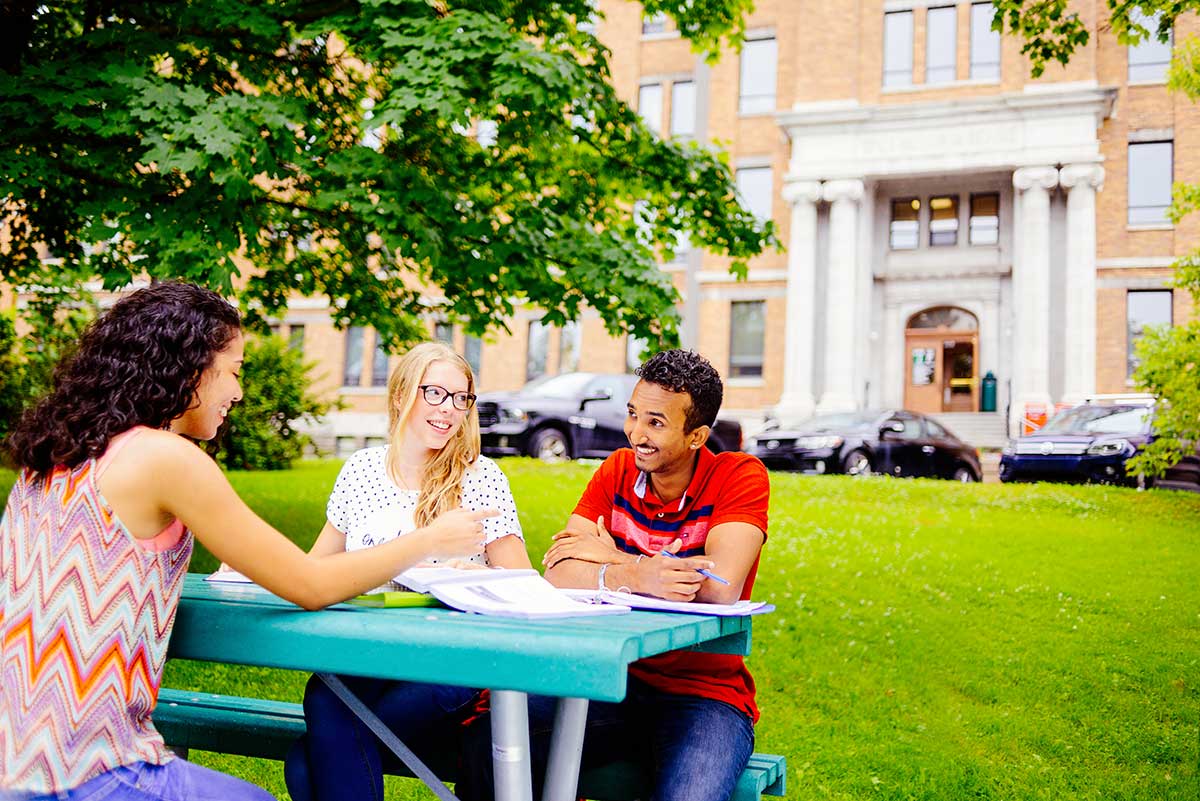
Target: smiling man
[(690, 716)]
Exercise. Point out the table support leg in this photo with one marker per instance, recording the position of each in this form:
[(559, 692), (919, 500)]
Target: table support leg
[(566, 750), (510, 746), (388, 737)]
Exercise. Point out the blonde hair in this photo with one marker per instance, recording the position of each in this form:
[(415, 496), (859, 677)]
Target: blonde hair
[(441, 481)]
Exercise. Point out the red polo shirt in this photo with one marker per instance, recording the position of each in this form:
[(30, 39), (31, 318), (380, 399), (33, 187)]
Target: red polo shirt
[(726, 488)]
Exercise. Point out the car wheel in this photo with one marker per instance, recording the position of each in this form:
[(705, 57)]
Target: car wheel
[(858, 463), (549, 445), (964, 474)]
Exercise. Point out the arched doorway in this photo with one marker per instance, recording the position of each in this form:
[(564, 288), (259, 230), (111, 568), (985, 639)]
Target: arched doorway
[(942, 345)]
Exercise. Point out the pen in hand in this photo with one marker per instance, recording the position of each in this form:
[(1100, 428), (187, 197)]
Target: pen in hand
[(700, 570)]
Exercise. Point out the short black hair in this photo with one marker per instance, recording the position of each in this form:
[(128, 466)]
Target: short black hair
[(687, 371)]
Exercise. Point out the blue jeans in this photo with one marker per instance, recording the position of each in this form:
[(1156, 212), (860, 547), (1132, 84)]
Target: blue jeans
[(692, 749), (340, 758), (177, 780)]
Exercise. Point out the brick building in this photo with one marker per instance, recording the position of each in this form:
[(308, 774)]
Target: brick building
[(944, 216)]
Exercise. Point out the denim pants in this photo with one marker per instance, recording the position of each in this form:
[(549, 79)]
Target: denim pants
[(340, 758), (177, 780), (693, 749)]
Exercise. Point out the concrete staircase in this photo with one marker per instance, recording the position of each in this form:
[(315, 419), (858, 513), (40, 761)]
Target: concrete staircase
[(979, 429)]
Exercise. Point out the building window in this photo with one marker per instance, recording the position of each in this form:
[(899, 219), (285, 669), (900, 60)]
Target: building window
[(1150, 175), (1149, 58), (654, 23), (905, 230), (535, 352), (444, 332), (683, 109), (941, 44), (757, 81), (1142, 309), (943, 220), (650, 105), (352, 374), (898, 48), (747, 334), (379, 363), (633, 352), (984, 226), (473, 353), (570, 344), (985, 43), (344, 447), (296, 338), (756, 187)]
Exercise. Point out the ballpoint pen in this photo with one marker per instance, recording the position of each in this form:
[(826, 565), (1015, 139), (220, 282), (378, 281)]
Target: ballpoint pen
[(700, 570)]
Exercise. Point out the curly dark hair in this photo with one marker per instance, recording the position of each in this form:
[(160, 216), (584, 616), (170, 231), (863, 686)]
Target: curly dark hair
[(138, 364), (687, 371)]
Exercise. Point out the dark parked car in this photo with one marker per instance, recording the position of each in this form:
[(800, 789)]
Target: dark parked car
[(1091, 443), (888, 442), (569, 416)]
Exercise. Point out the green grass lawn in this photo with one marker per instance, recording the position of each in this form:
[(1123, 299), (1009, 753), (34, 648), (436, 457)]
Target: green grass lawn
[(932, 640)]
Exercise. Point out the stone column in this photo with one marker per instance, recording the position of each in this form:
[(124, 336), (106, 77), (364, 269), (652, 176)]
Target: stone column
[(1031, 288), (842, 316), (1079, 315), (800, 335)]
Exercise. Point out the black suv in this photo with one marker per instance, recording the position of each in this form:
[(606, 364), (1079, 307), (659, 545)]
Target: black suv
[(569, 416)]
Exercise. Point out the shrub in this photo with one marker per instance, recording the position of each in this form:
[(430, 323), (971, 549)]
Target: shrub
[(260, 433)]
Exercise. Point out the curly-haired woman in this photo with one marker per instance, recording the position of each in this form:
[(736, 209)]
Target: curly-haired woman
[(95, 540), (431, 463)]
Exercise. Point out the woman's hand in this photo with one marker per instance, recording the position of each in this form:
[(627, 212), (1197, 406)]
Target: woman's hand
[(599, 547), (458, 532)]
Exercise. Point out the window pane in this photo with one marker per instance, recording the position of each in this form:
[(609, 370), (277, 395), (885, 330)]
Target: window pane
[(473, 353), (1144, 309), (985, 219), (444, 332), (570, 343), (352, 374), (1150, 172), (906, 226), (898, 48), (535, 352), (940, 41), (379, 363), (985, 43), (683, 108), (943, 220), (1148, 60), (747, 331), (296, 338), (757, 86), (654, 23), (650, 106), (755, 185)]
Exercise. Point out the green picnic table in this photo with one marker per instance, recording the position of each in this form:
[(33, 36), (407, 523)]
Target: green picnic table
[(577, 659)]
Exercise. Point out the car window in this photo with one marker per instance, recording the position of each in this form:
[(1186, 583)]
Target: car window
[(912, 428), (935, 430), (566, 385), (1099, 420), (602, 384)]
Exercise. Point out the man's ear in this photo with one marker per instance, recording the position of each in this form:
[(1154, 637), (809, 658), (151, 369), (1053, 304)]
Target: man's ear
[(698, 436)]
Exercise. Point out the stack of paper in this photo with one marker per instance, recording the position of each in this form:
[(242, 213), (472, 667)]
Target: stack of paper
[(658, 604), (505, 593)]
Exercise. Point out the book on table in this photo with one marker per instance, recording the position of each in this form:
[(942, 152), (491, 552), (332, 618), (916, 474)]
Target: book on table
[(501, 592), (635, 601)]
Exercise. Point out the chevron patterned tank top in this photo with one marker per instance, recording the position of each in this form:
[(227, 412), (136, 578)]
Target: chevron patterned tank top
[(85, 614)]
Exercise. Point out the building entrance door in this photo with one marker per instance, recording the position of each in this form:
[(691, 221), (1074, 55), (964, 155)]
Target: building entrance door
[(942, 349)]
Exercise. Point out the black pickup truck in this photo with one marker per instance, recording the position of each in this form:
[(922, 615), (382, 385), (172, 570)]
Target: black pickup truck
[(571, 416)]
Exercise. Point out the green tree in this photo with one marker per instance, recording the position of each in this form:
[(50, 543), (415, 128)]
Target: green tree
[(260, 433), (12, 376), (1169, 358), (327, 142)]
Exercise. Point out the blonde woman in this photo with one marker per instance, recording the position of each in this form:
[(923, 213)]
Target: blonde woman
[(431, 464)]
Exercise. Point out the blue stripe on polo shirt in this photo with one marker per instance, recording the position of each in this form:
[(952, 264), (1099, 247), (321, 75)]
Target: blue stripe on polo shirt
[(660, 525)]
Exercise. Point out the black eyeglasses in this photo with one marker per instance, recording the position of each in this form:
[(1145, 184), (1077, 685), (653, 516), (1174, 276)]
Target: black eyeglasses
[(436, 396)]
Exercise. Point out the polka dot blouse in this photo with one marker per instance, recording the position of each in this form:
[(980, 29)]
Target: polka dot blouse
[(368, 507)]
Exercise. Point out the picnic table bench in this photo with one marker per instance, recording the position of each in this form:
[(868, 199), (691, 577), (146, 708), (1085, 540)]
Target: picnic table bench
[(576, 659)]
